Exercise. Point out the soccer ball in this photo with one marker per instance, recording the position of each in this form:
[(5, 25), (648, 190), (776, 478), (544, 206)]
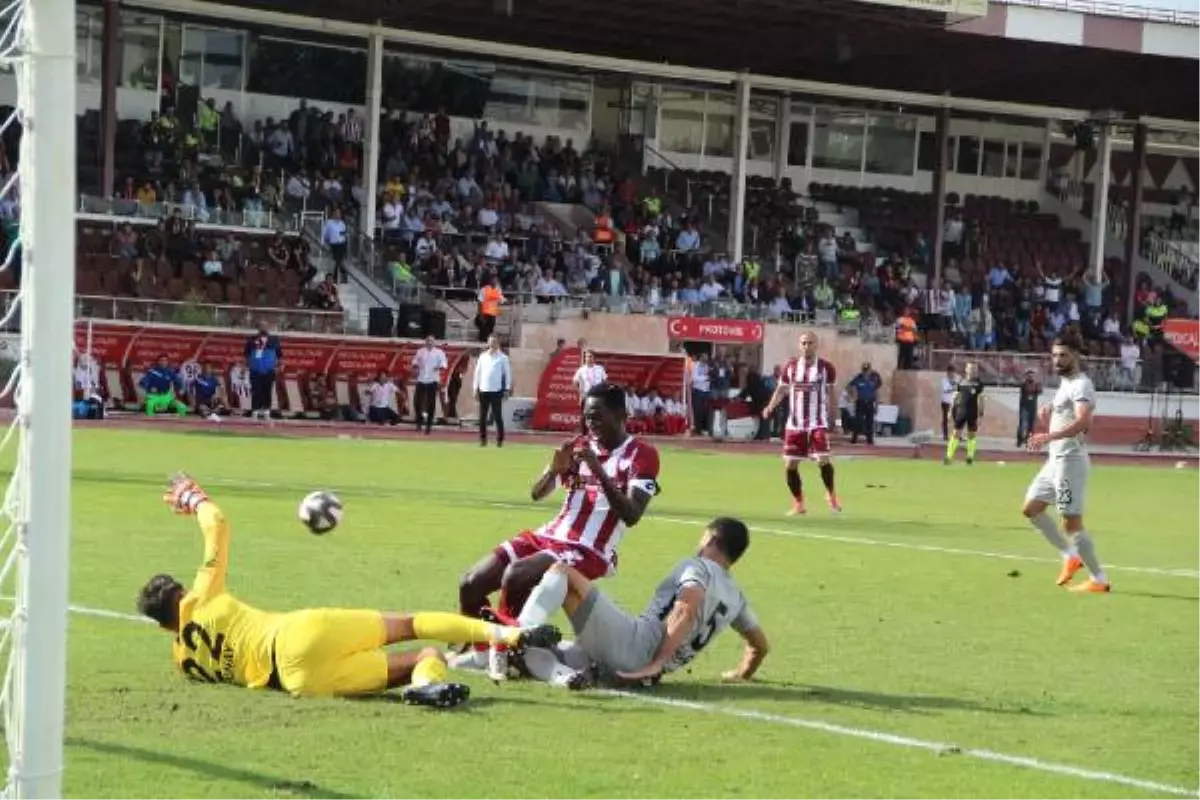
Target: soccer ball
[(320, 512)]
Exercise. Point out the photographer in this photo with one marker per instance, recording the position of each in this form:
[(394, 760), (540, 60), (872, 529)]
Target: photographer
[(1027, 407)]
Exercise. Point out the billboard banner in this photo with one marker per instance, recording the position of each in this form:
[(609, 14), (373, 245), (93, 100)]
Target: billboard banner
[(1184, 336), (719, 331), (557, 406)]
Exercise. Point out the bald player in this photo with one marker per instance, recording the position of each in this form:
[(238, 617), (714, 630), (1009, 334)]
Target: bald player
[(690, 607), (807, 383), (1063, 479)]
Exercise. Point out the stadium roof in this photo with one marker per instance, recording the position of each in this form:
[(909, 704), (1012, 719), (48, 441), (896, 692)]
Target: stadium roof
[(846, 42)]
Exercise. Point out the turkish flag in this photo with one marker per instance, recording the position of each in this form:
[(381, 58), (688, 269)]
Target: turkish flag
[(1184, 336)]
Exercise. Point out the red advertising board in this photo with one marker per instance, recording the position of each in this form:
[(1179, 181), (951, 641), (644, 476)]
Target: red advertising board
[(1184, 336), (557, 407), (136, 346), (721, 331)]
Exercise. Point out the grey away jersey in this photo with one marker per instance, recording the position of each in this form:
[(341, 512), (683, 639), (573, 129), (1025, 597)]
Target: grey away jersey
[(723, 605), (1076, 389)]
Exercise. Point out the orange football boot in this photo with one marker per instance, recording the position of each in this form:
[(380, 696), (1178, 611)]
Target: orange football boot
[(797, 508), (1090, 586), (1070, 567), (834, 505)]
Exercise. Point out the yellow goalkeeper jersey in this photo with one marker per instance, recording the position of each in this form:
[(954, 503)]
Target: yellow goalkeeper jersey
[(221, 639)]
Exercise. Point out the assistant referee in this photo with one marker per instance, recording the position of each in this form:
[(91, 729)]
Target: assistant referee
[(966, 411)]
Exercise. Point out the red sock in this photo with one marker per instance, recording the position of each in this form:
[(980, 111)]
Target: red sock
[(504, 613)]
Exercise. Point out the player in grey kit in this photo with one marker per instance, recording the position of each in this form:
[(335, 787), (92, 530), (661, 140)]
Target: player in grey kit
[(694, 603), (1063, 479)]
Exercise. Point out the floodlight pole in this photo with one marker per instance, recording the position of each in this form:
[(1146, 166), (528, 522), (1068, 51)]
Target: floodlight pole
[(44, 397)]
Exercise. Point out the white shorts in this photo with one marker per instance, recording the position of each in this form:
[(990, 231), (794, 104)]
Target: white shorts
[(614, 640), (1062, 482)]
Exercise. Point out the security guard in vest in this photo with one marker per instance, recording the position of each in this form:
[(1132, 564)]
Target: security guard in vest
[(906, 339)]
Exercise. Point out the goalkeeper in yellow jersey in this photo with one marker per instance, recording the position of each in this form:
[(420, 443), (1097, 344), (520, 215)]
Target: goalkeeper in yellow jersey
[(319, 652)]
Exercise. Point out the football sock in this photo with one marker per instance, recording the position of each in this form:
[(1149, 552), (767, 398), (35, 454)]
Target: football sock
[(430, 670), (546, 598), (794, 484), (951, 448), (970, 449), (1087, 553), (827, 477), (439, 626), (543, 665), (1049, 531)]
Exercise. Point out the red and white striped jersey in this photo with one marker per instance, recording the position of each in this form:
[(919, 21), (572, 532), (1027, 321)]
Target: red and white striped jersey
[(810, 385), (586, 518)]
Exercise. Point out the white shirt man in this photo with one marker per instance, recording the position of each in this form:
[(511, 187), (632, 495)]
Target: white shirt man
[(428, 365), (493, 380), (392, 213), (381, 393), (87, 376), (496, 249), (588, 375), (711, 290)]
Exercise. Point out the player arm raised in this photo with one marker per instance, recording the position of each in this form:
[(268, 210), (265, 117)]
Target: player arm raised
[(186, 497), (680, 622)]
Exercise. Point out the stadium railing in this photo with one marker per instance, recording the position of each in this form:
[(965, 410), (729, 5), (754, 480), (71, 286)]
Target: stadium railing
[(1009, 369), (1105, 8), (285, 221), (176, 312), (1172, 259)]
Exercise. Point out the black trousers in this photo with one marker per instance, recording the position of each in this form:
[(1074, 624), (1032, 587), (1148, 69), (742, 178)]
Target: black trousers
[(487, 324), (491, 403), (261, 386), (864, 420), (946, 421), (425, 403)]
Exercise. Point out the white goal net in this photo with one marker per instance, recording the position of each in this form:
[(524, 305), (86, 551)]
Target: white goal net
[(37, 49)]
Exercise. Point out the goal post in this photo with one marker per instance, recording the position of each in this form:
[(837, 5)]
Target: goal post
[(45, 70)]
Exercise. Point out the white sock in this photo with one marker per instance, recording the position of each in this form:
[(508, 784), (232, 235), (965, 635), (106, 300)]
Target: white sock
[(1050, 532), (543, 665), (546, 598)]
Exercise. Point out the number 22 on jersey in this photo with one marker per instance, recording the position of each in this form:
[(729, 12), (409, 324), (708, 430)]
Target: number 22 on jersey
[(203, 662)]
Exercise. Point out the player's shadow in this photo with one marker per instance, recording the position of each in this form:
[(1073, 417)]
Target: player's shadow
[(797, 693), (1161, 596), (273, 784)]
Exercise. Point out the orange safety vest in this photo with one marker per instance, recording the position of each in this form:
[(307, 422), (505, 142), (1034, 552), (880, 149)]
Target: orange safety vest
[(603, 234), (490, 305), (906, 332)]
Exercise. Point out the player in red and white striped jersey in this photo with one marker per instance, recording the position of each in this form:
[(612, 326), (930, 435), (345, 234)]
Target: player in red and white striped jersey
[(807, 383), (609, 478)]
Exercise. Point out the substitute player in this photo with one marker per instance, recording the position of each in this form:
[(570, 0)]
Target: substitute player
[(609, 478), (315, 652), (694, 603), (1063, 479), (966, 412), (807, 382)]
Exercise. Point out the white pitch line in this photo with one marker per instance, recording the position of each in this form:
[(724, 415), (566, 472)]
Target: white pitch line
[(881, 737), (1167, 572), (909, 742)]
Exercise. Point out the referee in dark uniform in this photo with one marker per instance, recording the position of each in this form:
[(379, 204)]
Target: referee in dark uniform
[(966, 412), (866, 400)]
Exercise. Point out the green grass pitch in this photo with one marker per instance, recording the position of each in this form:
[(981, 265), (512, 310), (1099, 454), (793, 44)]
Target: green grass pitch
[(910, 657)]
